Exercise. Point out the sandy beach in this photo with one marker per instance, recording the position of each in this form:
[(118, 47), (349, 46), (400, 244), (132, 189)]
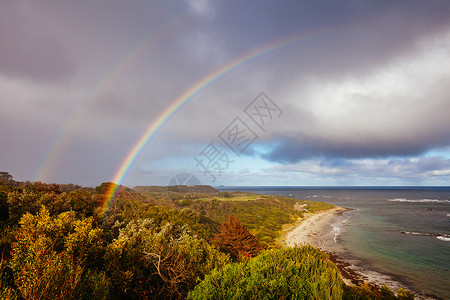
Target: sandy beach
[(319, 230), (316, 230)]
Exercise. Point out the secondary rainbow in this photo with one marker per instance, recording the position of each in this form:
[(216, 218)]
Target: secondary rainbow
[(113, 74), (189, 94)]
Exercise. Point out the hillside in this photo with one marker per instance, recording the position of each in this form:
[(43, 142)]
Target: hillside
[(61, 243), (177, 189), (264, 215)]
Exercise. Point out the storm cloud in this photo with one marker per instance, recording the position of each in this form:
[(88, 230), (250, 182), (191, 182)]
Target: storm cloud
[(364, 89)]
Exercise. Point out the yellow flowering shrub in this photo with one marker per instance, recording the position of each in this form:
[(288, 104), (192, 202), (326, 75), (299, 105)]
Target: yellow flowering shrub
[(49, 255)]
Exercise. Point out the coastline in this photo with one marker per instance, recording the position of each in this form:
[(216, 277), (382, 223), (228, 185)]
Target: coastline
[(310, 230), (321, 231)]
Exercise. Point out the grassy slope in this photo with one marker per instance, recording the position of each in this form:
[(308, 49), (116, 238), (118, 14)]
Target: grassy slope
[(264, 215)]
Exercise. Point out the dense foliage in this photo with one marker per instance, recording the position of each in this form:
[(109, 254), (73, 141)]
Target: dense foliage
[(56, 243), (167, 261), (290, 273), (50, 254)]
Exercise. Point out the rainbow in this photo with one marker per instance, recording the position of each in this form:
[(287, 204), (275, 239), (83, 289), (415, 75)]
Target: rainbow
[(189, 94), (113, 74)]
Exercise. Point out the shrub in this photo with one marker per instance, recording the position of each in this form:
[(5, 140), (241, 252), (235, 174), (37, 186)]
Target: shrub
[(224, 194), (94, 285), (163, 263), (368, 292), (290, 273), (50, 254), (404, 294), (7, 287)]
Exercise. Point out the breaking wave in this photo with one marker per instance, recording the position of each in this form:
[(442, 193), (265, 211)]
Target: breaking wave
[(419, 200)]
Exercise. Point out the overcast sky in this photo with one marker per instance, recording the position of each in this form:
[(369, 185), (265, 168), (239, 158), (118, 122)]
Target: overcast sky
[(356, 92)]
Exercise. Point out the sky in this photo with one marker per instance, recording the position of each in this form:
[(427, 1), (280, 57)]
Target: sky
[(299, 93)]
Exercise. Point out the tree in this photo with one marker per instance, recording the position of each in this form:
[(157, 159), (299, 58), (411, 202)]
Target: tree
[(5, 177), (235, 239), (39, 186), (106, 187), (29, 200)]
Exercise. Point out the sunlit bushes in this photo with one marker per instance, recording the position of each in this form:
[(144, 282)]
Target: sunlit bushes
[(290, 273), (163, 263), (366, 292), (263, 215), (50, 254), (69, 250), (63, 257)]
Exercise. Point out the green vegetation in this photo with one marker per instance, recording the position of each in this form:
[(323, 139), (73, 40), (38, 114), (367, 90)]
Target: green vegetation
[(161, 263), (366, 292), (55, 243), (50, 254), (290, 273), (264, 215)]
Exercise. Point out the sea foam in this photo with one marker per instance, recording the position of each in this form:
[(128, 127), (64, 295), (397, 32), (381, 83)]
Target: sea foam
[(336, 231), (419, 200)]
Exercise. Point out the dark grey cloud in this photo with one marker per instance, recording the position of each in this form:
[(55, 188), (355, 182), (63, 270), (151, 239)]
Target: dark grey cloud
[(343, 97), (28, 49), (358, 35), (399, 109), (431, 170), (292, 150)]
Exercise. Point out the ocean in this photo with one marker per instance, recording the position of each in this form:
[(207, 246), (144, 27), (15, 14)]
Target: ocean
[(403, 232)]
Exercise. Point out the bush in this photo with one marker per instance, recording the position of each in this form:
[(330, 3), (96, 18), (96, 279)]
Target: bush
[(50, 254), (404, 294), (367, 292), (160, 263), (7, 286), (290, 273), (224, 194)]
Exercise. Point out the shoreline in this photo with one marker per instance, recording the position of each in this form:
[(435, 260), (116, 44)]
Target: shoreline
[(321, 230), (309, 231)]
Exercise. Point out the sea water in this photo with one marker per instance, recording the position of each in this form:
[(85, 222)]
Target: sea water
[(400, 231)]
